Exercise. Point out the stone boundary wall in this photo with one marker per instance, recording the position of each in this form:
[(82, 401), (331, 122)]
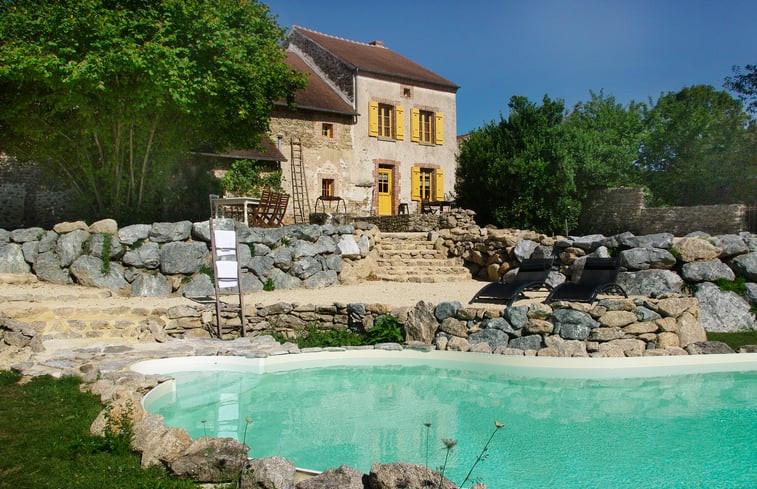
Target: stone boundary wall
[(623, 209), (613, 327), (456, 218)]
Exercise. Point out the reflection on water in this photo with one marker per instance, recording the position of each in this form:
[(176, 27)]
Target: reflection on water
[(641, 432)]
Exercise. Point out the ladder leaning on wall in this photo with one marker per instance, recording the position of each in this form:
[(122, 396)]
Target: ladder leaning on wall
[(300, 200)]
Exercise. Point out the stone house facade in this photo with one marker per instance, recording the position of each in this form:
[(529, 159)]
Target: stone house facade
[(375, 128)]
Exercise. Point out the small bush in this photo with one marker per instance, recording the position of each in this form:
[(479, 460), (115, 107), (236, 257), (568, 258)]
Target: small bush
[(313, 337), (386, 329), (268, 286)]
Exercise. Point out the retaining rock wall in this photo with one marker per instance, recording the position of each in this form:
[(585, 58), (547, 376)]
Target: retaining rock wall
[(165, 258)]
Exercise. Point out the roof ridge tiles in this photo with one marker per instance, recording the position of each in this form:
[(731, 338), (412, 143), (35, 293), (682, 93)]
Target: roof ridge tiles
[(339, 38)]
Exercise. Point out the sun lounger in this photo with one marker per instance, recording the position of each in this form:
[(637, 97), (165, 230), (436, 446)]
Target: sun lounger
[(598, 277), (532, 275)]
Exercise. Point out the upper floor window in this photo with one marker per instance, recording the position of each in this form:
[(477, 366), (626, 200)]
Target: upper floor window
[(327, 130), (386, 121), (386, 118), (427, 127)]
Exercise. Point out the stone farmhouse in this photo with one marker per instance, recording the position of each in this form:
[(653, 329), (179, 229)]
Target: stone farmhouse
[(372, 128)]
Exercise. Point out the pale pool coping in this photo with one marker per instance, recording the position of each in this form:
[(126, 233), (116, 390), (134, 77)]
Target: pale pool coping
[(557, 367)]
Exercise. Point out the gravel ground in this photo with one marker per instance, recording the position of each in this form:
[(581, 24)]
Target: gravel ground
[(24, 289)]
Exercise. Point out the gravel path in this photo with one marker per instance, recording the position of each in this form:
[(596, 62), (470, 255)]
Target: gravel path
[(20, 289)]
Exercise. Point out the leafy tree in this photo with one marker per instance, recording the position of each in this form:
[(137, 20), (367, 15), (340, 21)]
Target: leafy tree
[(698, 149), (744, 84), (605, 137), (518, 172), (112, 94), (534, 169)]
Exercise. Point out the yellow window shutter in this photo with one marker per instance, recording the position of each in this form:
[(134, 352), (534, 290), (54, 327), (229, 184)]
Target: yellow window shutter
[(400, 123), (415, 125), (415, 183), (439, 128), (373, 119), (439, 174)]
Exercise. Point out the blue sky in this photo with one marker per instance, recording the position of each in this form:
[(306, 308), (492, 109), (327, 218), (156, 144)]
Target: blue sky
[(633, 49)]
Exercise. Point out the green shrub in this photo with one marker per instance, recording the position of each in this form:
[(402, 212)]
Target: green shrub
[(245, 178), (269, 286), (386, 329), (314, 337)]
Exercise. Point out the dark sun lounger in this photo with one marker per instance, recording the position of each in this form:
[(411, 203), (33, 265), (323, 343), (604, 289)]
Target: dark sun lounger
[(532, 275), (598, 277)]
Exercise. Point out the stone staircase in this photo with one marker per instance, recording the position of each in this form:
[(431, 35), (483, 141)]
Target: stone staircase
[(412, 257)]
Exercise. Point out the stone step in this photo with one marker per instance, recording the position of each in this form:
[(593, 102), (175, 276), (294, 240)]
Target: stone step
[(424, 278), (419, 236), (421, 271), (412, 254), (420, 262), (410, 245)]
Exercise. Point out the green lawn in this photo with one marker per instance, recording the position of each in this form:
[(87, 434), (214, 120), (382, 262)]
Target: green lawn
[(735, 340), (45, 441)]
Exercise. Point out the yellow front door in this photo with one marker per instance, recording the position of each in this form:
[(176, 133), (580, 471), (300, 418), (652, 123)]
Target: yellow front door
[(385, 191)]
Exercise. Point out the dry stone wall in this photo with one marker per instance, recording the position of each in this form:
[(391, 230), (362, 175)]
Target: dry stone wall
[(623, 209), (167, 258)]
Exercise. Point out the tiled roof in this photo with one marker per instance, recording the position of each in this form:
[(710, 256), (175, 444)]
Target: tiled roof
[(375, 58), (317, 95), (267, 151)]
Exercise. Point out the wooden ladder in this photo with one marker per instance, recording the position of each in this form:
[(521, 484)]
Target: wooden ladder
[(300, 199)]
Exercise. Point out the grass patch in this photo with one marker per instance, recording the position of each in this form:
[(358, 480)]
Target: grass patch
[(735, 340), (45, 441), (738, 285)]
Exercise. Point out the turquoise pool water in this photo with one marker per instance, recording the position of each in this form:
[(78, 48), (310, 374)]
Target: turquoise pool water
[(695, 430)]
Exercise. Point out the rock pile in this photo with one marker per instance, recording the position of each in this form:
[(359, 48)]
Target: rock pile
[(163, 258), (653, 265)]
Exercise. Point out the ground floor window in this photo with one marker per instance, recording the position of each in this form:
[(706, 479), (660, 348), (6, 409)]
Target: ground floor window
[(427, 183), (327, 187)]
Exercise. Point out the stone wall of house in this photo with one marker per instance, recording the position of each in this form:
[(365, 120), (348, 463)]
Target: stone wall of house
[(323, 158), (335, 69), (616, 210)]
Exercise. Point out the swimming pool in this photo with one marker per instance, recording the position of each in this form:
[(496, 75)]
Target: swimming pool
[(687, 422)]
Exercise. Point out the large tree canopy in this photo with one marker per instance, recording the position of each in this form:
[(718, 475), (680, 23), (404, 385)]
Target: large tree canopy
[(698, 149), (533, 169), (112, 94), (744, 84)]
